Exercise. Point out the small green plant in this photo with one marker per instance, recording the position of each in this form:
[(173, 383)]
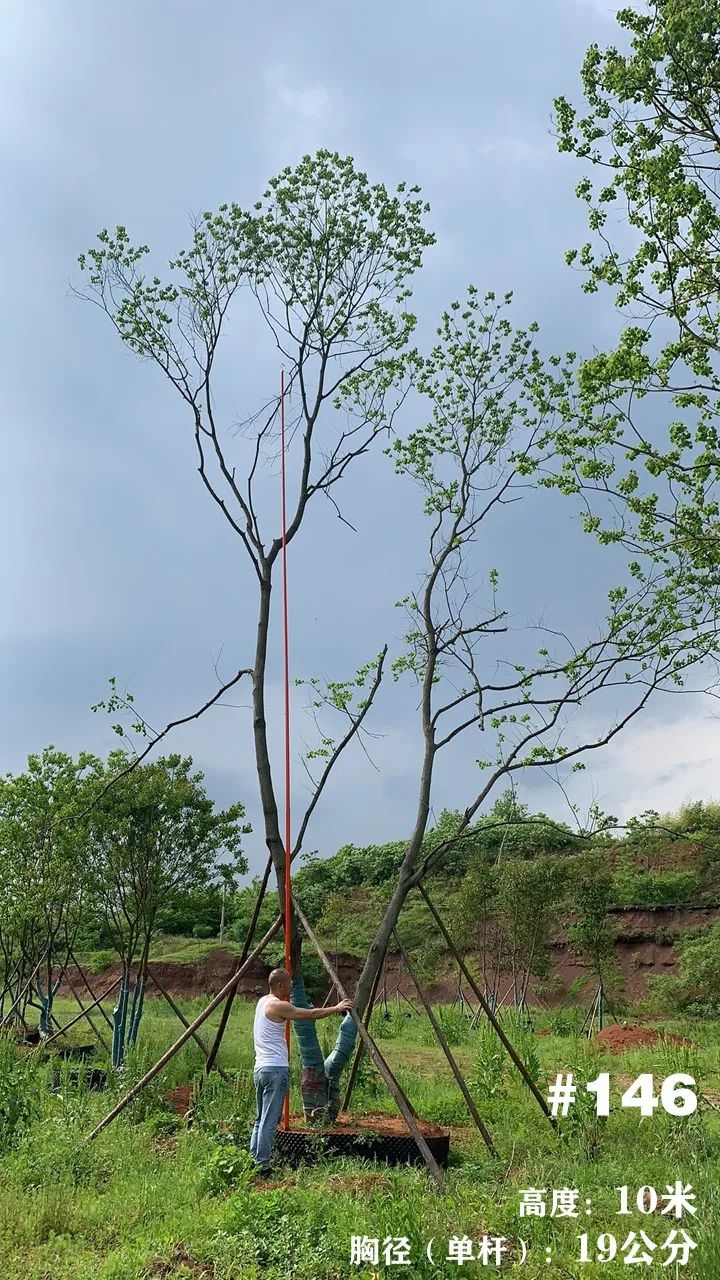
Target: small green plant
[(228, 1165), (565, 1022), (19, 1093), (98, 961), (390, 1025), (489, 1076), (454, 1024), (367, 1080)]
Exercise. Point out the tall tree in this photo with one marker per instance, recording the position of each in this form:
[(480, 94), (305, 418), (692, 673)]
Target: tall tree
[(155, 835), (327, 257), (43, 873), (503, 423), (650, 132), (592, 935)]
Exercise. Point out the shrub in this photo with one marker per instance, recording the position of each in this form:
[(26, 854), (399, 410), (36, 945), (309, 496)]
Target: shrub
[(698, 987), (228, 1165), (99, 961), (635, 888), (489, 1077), (19, 1093), (454, 1024)]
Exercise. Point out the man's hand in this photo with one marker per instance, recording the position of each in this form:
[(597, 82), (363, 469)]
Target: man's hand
[(344, 1006)]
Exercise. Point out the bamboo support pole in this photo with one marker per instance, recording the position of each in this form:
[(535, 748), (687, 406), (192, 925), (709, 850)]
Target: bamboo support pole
[(88, 988), (224, 1017), (18, 1000), (361, 1046), (181, 1017), (79, 1002), (44, 1044)]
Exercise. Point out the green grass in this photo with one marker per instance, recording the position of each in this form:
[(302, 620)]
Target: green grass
[(150, 1198), (167, 948)]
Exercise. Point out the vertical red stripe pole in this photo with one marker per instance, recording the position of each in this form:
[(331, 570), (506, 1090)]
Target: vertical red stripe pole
[(286, 648)]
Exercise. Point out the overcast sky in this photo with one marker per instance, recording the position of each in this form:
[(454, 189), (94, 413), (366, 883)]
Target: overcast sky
[(114, 561)]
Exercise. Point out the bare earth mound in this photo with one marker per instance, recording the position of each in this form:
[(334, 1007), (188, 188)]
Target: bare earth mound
[(618, 1039), (179, 1098)]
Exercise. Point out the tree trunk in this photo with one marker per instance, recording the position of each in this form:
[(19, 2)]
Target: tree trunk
[(376, 954), (273, 837), (138, 1001), (119, 1017)]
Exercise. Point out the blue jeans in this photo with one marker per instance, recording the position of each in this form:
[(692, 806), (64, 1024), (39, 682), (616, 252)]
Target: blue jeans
[(271, 1086)]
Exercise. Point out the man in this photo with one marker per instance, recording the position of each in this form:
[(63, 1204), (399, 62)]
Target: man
[(272, 1068)]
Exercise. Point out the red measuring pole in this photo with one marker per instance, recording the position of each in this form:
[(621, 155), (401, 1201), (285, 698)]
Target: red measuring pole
[(286, 681)]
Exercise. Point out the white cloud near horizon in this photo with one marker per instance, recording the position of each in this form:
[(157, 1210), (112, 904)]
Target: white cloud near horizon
[(662, 764), (307, 102)]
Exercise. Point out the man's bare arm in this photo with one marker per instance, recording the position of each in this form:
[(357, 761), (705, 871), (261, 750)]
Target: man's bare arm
[(281, 1010)]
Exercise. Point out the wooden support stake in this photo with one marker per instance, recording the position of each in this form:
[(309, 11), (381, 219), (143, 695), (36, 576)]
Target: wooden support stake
[(88, 988), (393, 1085), (361, 1047), (44, 1043), (187, 1033), (181, 1017), (7, 987), (488, 1011), (448, 1053), (78, 1001), (28, 984)]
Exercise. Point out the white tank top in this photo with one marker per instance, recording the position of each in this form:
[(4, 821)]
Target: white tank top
[(270, 1047)]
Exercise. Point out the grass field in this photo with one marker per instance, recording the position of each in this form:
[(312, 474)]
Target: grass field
[(150, 1198)]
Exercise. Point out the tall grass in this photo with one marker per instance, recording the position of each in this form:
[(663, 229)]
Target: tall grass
[(151, 1198)]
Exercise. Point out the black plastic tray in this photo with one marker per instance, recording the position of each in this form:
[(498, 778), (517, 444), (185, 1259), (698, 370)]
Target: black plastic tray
[(294, 1147)]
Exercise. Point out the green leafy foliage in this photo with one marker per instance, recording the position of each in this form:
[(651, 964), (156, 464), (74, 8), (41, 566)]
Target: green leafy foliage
[(592, 935), (698, 985), (156, 836), (20, 1086), (45, 872), (650, 123), (228, 1165)]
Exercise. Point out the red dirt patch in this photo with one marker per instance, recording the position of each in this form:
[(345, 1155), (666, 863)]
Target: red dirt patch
[(370, 1122), (180, 1263), (622, 1039), (180, 1098)]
